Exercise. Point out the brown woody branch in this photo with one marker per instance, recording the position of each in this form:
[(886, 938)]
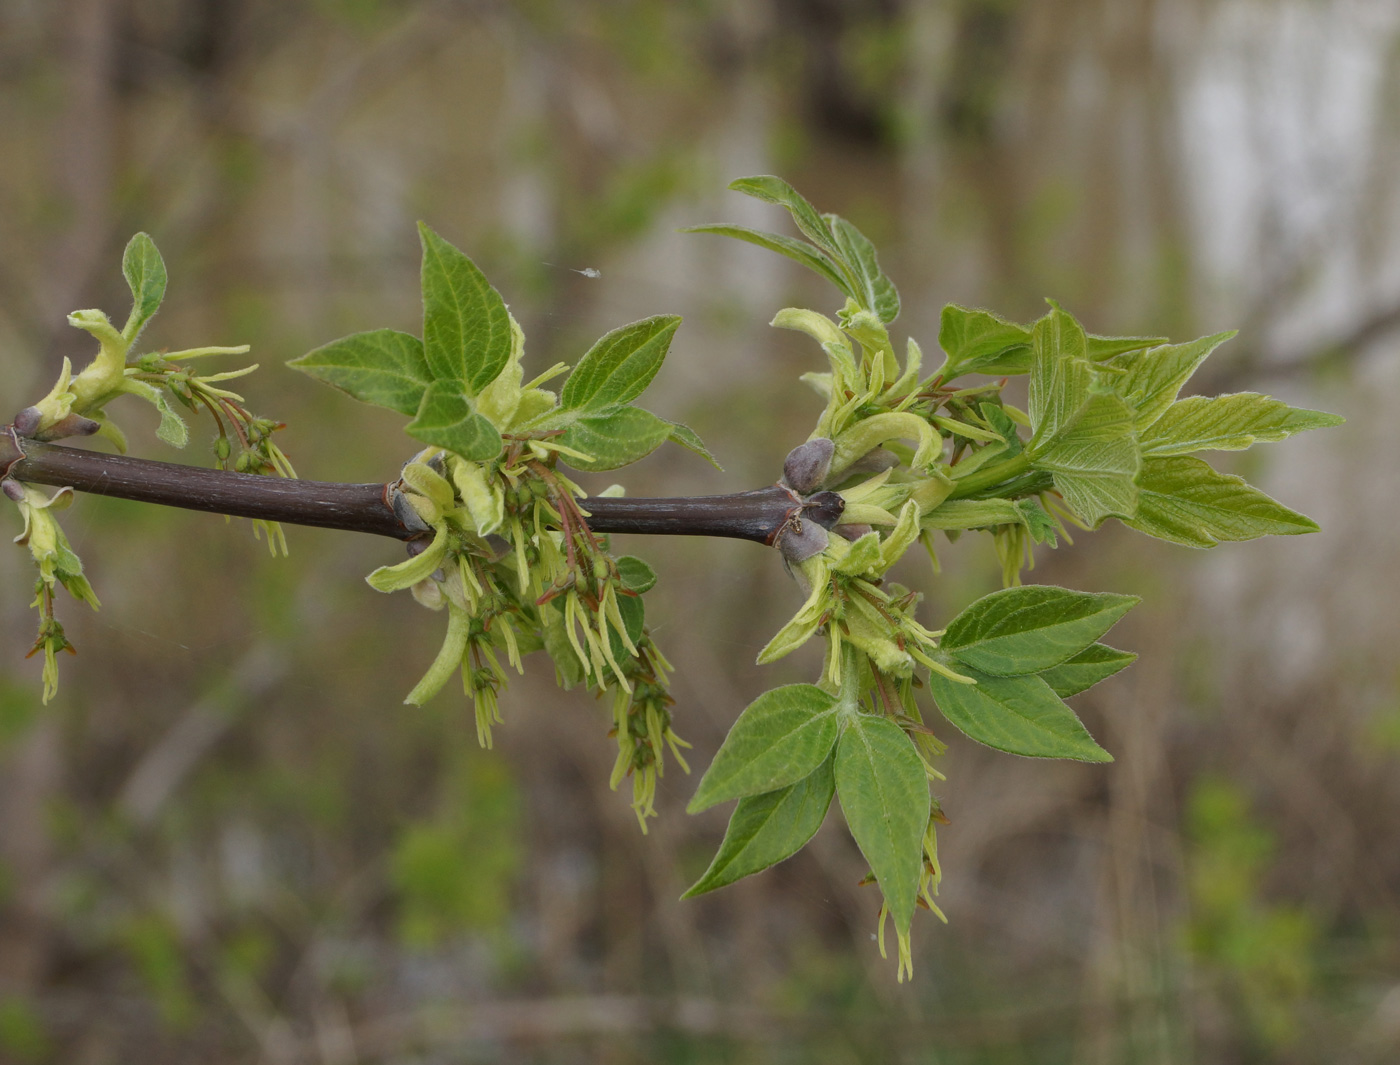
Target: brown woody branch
[(757, 515)]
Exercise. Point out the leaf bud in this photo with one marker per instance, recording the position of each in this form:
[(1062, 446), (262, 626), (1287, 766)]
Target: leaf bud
[(13, 490), (800, 540), (824, 508), (806, 465), (27, 421)]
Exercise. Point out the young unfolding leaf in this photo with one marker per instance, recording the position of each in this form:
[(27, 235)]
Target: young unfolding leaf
[(689, 439), (615, 436), (884, 797), (812, 258), (446, 419), (466, 327), (636, 575), (383, 366), (1019, 715), (1096, 662), (618, 368), (765, 829), (1098, 479), (1152, 377), (874, 291), (1187, 502), (1228, 423), (779, 739), (777, 191), (144, 271), (1031, 628), (978, 341), (1099, 348)]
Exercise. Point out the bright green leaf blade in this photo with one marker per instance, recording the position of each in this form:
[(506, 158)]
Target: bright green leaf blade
[(1019, 715), (779, 739), (1096, 662), (614, 436), (884, 797), (689, 439), (777, 191), (812, 258), (144, 271), (172, 428), (1097, 480), (446, 419), (618, 368), (466, 327), (1100, 348), (765, 829), (636, 575), (383, 367), (1153, 377), (1061, 375), (1031, 628), (1187, 502), (978, 341), (1229, 423), (876, 292)]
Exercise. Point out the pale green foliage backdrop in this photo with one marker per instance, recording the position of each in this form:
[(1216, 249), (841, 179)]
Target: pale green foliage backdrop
[(227, 841)]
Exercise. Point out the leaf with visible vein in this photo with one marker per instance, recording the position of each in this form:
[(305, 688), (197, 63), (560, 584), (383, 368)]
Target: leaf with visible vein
[(614, 436), (766, 829), (618, 368), (884, 797), (812, 258), (1018, 715), (1187, 502), (689, 439), (1153, 377), (466, 327), (1096, 662), (875, 291), (779, 739), (1229, 423), (777, 191), (977, 341), (145, 275), (447, 419), (383, 367), (1031, 628)]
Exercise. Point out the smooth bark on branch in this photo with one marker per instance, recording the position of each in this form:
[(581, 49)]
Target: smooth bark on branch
[(756, 515)]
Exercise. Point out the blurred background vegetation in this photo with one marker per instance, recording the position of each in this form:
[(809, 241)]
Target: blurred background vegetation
[(227, 841)]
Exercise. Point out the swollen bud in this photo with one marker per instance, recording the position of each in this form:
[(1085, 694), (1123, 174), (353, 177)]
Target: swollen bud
[(72, 425), (13, 490), (800, 540), (806, 466), (27, 421)]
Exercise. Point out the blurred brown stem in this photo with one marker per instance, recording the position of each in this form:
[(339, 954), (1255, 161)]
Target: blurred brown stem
[(756, 515)]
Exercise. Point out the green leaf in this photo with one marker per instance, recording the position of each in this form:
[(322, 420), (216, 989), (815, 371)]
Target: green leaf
[(779, 739), (981, 342), (1187, 502), (777, 191), (466, 327), (447, 419), (1061, 375), (636, 575), (172, 428), (383, 367), (618, 368), (812, 258), (1096, 662), (614, 436), (1152, 378), (765, 829), (1099, 348), (1229, 423), (875, 292), (1031, 628), (689, 439), (884, 797), (1094, 459), (144, 271), (1019, 715)]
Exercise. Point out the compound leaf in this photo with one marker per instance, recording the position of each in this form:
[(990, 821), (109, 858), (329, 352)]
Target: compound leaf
[(1019, 715), (1229, 423), (1184, 500)]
